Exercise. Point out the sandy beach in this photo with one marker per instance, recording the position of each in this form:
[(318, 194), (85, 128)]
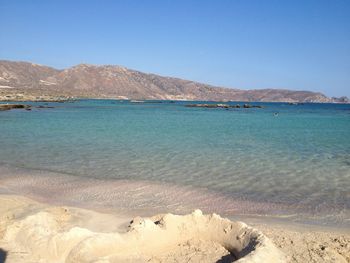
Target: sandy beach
[(174, 131), (36, 232)]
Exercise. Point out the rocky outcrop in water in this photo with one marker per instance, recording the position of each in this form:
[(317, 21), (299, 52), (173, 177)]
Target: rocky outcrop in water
[(4, 107)]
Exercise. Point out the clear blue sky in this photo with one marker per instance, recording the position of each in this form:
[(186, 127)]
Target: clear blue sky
[(302, 45)]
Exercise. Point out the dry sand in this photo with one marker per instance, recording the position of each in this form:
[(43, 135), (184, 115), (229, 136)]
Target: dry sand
[(36, 232)]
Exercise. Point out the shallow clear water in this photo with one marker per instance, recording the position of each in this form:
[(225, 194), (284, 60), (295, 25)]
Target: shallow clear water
[(299, 159)]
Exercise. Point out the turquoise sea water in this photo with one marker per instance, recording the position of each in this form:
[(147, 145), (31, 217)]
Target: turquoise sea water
[(294, 164)]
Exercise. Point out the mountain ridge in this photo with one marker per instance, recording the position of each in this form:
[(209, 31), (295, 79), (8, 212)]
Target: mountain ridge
[(25, 80)]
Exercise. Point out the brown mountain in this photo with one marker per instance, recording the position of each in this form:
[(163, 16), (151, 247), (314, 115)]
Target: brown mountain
[(23, 80)]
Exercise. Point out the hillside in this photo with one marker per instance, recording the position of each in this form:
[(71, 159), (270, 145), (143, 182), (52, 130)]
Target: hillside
[(23, 80)]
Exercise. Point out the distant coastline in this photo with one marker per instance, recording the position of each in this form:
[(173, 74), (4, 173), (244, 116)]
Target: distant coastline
[(24, 81), (62, 99)]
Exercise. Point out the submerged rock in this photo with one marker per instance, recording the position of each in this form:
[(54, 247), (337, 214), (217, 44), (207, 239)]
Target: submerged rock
[(45, 107)]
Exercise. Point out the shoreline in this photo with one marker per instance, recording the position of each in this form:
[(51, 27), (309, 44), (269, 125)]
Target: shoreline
[(20, 198), (111, 195), (297, 244), (63, 99)]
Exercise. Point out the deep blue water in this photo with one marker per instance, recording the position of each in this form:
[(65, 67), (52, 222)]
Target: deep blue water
[(299, 158)]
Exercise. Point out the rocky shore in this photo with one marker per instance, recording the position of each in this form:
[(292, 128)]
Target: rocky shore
[(224, 106), (26, 97), (5, 107)]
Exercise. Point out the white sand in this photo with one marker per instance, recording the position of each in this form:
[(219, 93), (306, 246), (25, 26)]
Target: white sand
[(36, 232), (301, 244)]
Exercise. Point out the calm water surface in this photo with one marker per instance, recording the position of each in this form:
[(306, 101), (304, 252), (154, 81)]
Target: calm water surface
[(299, 161)]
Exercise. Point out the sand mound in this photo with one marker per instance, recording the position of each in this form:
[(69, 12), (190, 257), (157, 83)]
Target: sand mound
[(51, 235)]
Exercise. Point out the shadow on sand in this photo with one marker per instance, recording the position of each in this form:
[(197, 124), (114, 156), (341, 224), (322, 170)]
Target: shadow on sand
[(3, 255), (227, 259)]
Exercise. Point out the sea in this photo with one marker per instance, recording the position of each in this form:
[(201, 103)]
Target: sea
[(285, 161)]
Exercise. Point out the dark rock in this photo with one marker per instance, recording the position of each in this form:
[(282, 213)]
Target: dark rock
[(247, 106), (4, 107)]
